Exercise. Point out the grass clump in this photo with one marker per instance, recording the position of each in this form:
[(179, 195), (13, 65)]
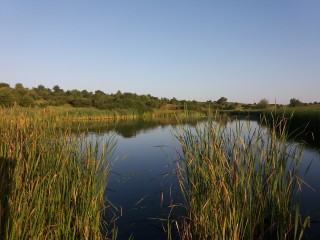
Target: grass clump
[(240, 182), (52, 180)]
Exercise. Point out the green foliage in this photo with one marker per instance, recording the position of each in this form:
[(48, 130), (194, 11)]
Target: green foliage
[(81, 102), (6, 85), (7, 97), (263, 103), (57, 89), (295, 102), (239, 187), (119, 102), (26, 101), (52, 180), (306, 118), (101, 102), (222, 100)]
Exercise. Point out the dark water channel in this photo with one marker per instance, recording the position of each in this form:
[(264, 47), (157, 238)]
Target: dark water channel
[(143, 185)]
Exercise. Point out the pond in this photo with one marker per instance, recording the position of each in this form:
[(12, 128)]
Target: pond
[(142, 183)]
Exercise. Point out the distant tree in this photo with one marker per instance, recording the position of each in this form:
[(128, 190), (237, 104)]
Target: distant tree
[(41, 87), (81, 102), (295, 102), (174, 101), (26, 101), (33, 94), (75, 93), (20, 89), (222, 100), (118, 94), (99, 92), (57, 89), (4, 85), (7, 98), (86, 94), (44, 93), (230, 106), (19, 85), (263, 104), (101, 101)]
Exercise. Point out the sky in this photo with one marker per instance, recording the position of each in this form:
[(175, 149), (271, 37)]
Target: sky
[(192, 50)]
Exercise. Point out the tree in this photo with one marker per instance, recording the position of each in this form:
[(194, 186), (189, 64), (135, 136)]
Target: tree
[(4, 85), (295, 102), (174, 101), (19, 86), (20, 89), (43, 92), (26, 101), (41, 88), (118, 94), (7, 98), (222, 100), (86, 94), (263, 104), (57, 89), (99, 92), (81, 102)]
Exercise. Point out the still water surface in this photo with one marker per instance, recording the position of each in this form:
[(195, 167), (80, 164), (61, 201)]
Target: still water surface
[(142, 183)]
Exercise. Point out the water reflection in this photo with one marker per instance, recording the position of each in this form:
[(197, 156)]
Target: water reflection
[(142, 183), (132, 127), (309, 129)]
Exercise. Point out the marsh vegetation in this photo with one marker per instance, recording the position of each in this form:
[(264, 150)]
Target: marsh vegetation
[(238, 182), (52, 180), (240, 185)]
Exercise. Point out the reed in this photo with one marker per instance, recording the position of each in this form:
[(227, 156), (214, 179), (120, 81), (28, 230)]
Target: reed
[(241, 183), (52, 180), (306, 118)]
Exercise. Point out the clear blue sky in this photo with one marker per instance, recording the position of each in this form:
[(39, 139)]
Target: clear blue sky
[(193, 50)]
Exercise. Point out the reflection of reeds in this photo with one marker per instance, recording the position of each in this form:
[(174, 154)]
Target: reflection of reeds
[(52, 181), (240, 186), (307, 118)]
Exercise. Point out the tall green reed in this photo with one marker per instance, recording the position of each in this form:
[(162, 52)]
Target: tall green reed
[(52, 180), (240, 185)]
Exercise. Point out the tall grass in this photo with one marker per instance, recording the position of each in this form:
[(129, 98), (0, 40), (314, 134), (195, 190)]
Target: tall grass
[(307, 118), (238, 184), (52, 181), (89, 114)]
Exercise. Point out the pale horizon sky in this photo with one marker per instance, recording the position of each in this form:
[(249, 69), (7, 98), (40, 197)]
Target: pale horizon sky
[(192, 50)]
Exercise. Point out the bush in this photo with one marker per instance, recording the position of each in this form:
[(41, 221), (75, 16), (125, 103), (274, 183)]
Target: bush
[(295, 102), (7, 98), (263, 104), (26, 101)]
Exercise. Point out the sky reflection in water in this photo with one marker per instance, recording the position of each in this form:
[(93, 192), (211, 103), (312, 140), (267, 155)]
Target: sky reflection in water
[(142, 182)]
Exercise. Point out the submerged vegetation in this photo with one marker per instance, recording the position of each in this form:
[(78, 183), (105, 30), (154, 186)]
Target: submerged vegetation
[(240, 186), (52, 180)]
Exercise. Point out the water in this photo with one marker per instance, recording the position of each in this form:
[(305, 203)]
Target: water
[(310, 199), (142, 183)]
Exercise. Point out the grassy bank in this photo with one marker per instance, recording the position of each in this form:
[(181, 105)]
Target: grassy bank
[(67, 113), (310, 112), (240, 186), (52, 180), (305, 119)]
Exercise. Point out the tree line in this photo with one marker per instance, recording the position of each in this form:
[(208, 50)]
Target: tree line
[(42, 96)]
